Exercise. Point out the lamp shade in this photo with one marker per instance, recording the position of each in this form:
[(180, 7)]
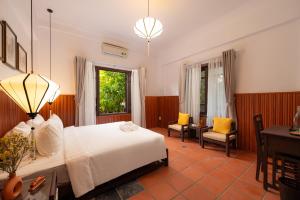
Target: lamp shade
[(29, 91), (148, 27), (54, 96)]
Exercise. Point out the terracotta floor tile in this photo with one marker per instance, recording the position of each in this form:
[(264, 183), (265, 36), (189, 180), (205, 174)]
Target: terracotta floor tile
[(179, 197), (178, 165), (210, 173), (197, 192), (217, 182), (251, 190), (162, 191), (179, 182), (193, 172), (271, 195), (234, 195), (151, 179), (144, 195)]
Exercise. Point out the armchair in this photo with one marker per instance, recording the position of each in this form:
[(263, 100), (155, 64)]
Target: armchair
[(208, 135), (182, 129)]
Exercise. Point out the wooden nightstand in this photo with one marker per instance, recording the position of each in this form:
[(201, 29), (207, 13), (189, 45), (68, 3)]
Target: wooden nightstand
[(48, 191)]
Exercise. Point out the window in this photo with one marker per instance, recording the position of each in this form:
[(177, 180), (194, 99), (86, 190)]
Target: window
[(113, 91), (203, 89)]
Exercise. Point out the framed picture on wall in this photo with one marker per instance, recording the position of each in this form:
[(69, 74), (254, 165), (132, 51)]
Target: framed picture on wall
[(21, 59), (1, 41), (10, 46)]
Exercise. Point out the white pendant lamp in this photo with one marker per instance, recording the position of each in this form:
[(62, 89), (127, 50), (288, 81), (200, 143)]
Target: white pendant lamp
[(57, 90), (148, 28), (29, 91)]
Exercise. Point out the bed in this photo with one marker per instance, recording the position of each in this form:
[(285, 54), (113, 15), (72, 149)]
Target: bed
[(96, 154)]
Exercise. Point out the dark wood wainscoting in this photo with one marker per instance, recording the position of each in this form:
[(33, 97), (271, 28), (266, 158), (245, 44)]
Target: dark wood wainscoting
[(113, 118), (277, 109), (64, 107), (11, 114), (160, 110)]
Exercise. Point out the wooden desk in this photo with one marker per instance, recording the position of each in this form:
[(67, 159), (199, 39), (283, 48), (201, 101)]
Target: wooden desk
[(278, 140)]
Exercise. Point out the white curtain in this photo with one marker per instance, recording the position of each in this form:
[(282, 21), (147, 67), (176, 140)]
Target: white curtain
[(85, 92), (142, 82), (90, 94), (135, 98), (192, 91), (182, 76), (216, 105)]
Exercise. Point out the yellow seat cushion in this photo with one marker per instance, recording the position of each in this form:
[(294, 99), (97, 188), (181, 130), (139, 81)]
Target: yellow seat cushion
[(183, 118), (222, 125)]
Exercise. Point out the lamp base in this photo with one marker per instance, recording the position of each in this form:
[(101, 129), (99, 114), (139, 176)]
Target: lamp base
[(33, 145)]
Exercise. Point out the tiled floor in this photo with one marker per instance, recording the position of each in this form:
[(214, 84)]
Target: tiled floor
[(195, 173)]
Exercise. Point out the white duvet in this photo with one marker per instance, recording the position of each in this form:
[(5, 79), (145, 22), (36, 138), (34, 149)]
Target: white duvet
[(99, 153)]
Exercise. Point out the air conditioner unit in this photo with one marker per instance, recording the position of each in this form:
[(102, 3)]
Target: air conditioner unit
[(114, 50)]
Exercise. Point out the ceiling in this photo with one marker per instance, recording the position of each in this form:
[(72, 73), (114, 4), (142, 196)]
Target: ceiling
[(115, 19)]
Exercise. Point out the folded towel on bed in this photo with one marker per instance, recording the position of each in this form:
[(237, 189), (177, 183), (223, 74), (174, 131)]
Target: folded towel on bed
[(128, 127)]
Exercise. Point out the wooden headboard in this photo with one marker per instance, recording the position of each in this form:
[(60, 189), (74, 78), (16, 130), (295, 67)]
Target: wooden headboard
[(11, 114)]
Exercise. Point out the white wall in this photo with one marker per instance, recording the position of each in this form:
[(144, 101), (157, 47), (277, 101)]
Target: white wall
[(68, 45), (8, 13), (266, 40)]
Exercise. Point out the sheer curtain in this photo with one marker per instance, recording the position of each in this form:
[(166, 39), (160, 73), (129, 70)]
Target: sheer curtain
[(216, 105), (135, 98), (85, 97), (90, 94), (142, 82), (192, 91)]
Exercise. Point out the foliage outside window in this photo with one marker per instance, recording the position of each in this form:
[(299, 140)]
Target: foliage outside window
[(113, 91)]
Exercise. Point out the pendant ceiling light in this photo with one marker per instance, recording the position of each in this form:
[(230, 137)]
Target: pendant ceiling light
[(148, 28), (29, 91), (57, 91)]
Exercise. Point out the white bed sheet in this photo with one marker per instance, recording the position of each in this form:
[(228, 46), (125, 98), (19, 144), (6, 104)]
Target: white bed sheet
[(99, 153)]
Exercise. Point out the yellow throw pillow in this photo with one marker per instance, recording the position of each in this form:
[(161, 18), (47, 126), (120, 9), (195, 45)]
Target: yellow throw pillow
[(222, 125), (183, 119)]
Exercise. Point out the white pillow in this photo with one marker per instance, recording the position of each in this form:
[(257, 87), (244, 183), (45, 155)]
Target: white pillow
[(36, 122), (49, 138), (58, 121), (21, 128)]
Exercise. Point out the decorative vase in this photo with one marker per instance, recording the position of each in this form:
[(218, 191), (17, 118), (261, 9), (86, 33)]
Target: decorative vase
[(12, 188), (296, 121)]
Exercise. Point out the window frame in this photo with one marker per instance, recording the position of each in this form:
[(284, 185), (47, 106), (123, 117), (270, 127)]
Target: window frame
[(204, 68), (127, 90)]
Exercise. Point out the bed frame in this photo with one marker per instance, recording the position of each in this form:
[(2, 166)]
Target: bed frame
[(66, 192)]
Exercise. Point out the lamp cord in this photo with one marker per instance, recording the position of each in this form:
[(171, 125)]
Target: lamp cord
[(50, 44), (31, 38), (148, 9)]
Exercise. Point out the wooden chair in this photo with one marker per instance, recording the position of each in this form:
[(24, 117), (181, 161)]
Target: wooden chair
[(258, 124), (207, 135), (182, 129)]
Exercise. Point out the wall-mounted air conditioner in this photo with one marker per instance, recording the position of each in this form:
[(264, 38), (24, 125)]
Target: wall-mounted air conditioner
[(114, 50)]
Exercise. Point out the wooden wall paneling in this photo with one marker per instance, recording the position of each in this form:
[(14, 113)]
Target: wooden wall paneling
[(151, 111), (169, 108), (10, 114), (276, 108), (64, 107), (113, 118)]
